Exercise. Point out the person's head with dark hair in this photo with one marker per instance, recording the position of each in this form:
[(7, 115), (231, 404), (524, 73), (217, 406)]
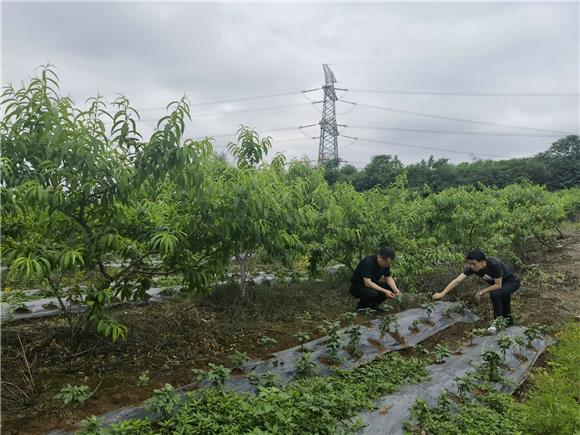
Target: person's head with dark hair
[(476, 260), (386, 256)]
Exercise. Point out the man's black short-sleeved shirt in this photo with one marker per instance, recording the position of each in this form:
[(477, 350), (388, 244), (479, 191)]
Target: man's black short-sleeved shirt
[(369, 268), (493, 270)]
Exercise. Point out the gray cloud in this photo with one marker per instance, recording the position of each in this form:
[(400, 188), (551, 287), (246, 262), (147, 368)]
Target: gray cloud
[(156, 52)]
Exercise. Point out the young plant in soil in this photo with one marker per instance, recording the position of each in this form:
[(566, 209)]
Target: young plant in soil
[(305, 365), (478, 332), (218, 375), (504, 343), (414, 328), (143, 379), (267, 341), (442, 352), (521, 343), (466, 384), (490, 365), (333, 343), (238, 359), (429, 307), (348, 316), (420, 413), (73, 394), (368, 313), (302, 338), (354, 334), (198, 375), (164, 403), (269, 379), (531, 333), (500, 323)]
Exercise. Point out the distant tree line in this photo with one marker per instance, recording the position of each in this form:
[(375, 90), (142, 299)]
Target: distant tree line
[(557, 168)]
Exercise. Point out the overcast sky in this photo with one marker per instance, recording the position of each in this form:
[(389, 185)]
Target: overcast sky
[(154, 53)]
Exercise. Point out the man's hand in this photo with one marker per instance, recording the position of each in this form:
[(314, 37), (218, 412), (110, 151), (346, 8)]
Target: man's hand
[(397, 292), (479, 294), (438, 296), (390, 294)]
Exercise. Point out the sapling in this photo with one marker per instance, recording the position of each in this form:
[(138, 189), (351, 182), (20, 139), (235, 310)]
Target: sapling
[(238, 359), (305, 365), (477, 332), (267, 341), (333, 344), (73, 394), (429, 307), (520, 341), (143, 379), (415, 326), (500, 323), (466, 383), (92, 426), (198, 375), (354, 334), (349, 316), (270, 379), (531, 333), (302, 338), (504, 343), (442, 351), (218, 375), (164, 403), (490, 364), (420, 412), (367, 312)]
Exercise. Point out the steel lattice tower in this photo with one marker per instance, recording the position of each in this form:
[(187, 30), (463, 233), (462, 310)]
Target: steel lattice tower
[(328, 148)]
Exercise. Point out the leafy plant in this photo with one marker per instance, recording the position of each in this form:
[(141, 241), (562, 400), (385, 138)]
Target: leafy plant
[(500, 323), (267, 341), (305, 365), (238, 359), (504, 343), (477, 332), (348, 316), (442, 352), (429, 307), (165, 402), (531, 332), (354, 335), (420, 412), (73, 394), (143, 379), (490, 365), (268, 379), (302, 338), (466, 383), (415, 326), (217, 374)]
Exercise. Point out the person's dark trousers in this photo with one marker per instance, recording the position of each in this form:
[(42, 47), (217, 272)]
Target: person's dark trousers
[(368, 297), (501, 300)]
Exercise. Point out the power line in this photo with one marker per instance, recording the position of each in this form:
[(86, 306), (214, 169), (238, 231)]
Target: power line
[(272, 130), (233, 100), (420, 147), (448, 118), (470, 94), (466, 59), (474, 133), (260, 109)]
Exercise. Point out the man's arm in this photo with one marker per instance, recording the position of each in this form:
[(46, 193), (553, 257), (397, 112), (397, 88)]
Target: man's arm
[(450, 287), (391, 283), (370, 284), (496, 286)]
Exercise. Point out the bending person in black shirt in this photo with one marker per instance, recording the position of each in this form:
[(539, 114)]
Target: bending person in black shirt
[(372, 282), (503, 282)]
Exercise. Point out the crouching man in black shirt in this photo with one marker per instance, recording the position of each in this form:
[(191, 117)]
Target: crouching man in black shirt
[(502, 283), (372, 282)]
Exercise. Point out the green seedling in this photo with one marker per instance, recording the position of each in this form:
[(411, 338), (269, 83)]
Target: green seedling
[(442, 352), (429, 307), (73, 394), (305, 365), (504, 343), (354, 334), (267, 341), (490, 365), (238, 359), (218, 375), (302, 338), (143, 379), (164, 403), (500, 323)]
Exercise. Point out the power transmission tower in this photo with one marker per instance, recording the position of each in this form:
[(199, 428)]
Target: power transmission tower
[(328, 148)]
